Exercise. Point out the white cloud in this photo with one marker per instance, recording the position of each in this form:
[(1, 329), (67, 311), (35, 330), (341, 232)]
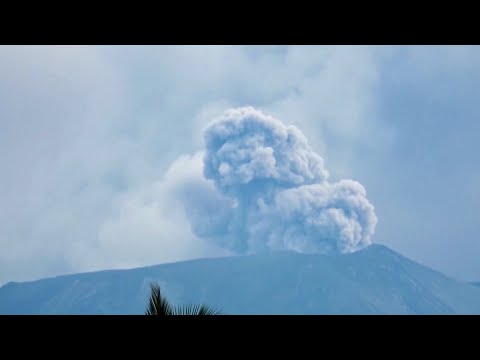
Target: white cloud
[(85, 131), (149, 226)]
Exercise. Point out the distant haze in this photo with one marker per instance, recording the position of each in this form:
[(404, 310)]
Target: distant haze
[(102, 151)]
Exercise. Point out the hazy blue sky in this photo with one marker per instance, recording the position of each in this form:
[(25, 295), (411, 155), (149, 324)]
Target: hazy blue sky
[(92, 140)]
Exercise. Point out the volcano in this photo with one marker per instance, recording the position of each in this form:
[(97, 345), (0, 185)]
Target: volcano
[(375, 280)]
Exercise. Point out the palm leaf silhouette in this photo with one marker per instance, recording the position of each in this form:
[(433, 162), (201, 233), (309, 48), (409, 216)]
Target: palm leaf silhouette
[(159, 305), (195, 309)]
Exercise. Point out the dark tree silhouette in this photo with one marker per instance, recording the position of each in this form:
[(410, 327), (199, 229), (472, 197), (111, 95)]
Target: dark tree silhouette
[(159, 305)]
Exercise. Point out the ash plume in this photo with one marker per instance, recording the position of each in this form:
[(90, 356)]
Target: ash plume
[(265, 189)]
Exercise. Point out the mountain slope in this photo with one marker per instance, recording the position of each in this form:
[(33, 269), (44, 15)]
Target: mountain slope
[(375, 280)]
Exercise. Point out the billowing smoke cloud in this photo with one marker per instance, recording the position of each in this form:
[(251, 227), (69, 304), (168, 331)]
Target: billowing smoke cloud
[(266, 189), (248, 151)]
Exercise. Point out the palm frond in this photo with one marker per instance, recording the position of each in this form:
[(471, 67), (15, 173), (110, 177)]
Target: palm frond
[(207, 310), (195, 309), (158, 305)]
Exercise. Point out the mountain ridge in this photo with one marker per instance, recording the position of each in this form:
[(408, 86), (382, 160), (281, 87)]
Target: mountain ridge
[(375, 280)]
